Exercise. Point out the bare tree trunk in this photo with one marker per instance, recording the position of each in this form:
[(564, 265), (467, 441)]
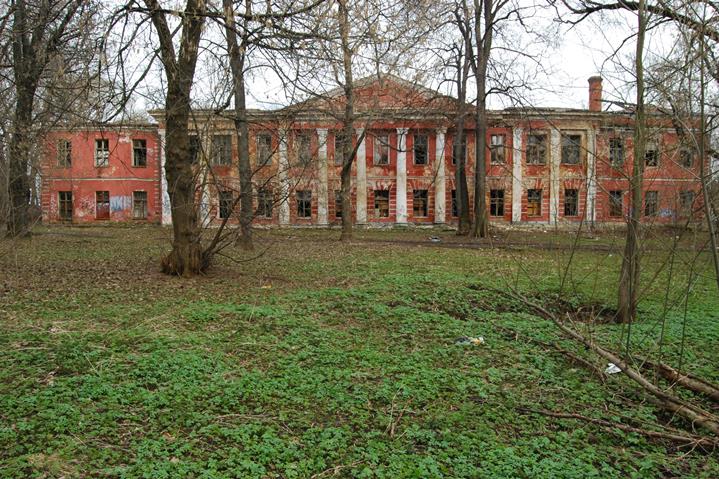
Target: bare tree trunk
[(19, 181), (347, 124), (460, 154), (629, 276), (237, 65)]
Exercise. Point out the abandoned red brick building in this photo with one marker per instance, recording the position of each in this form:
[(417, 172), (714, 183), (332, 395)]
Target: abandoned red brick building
[(544, 165)]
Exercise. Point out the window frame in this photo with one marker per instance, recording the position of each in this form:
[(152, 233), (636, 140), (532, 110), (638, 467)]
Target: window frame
[(139, 145), (537, 152), (381, 196), (617, 154), (221, 150), (652, 147), (651, 208), (453, 205), (616, 204), (102, 152), (304, 205), (224, 203), (573, 205), (686, 153), (102, 198), (263, 149), (463, 149), (537, 212), (496, 203), (423, 196), (65, 204), (139, 197), (339, 137), (424, 148), (63, 150), (568, 146), (338, 204), (497, 150), (304, 147), (265, 202), (379, 148)]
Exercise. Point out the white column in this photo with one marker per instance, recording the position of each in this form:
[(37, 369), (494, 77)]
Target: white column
[(283, 169), (401, 175), (440, 195), (361, 161), (322, 184), (591, 212), (205, 200), (164, 193), (517, 189), (555, 157)]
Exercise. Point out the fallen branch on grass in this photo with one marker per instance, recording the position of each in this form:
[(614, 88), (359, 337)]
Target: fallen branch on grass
[(685, 440), (687, 380)]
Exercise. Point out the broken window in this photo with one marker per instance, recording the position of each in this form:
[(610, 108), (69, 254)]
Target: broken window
[(139, 153), (537, 149), (453, 206), (571, 202), (264, 149), (338, 204), (651, 155), (304, 148), (651, 203), (420, 205), (304, 204), (102, 205), (571, 149), (616, 204), (195, 148), (102, 152), (264, 202), (496, 202), (381, 203), (221, 150), (534, 202), (462, 150), (139, 205), (226, 202), (381, 150), (64, 210), (339, 147), (616, 152), (420, 148), (686, 201), (64, 153), (686, 157), (496, 148)]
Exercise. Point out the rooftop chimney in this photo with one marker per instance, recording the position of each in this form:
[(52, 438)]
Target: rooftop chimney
[(595, 93)]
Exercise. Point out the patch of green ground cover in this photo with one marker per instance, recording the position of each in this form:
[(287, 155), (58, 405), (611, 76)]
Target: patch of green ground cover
[(294, 382)]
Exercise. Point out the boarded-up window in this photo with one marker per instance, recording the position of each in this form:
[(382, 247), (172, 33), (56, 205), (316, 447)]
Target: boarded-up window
[(616, 204), (226, 201), (537, 149), (381, 203), (264, 203), (221, 150), (338, 204), (420, 149), (534, 202), (64, 153), (571, 149), (102, 205), (651, 155), (102, 152), (139, 153), (420, 204), (304, 148), (339, 147), (651, 203), (453, 207), (304, 204), (571, 202), (264, 149), (381, 150), (686, 157), (496, 202), (496, 148), (616, 152), (139, 205), (64, 209)]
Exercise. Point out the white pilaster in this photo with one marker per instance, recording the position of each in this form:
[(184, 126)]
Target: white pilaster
[(555, 157), (401, 203), (205, 200), (164, 193), (591, 208), (517, 189), (322, 184), (282, 173), (361, 161), (440, 196)]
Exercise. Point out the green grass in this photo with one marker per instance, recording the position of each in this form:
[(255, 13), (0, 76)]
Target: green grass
[(322, 359)]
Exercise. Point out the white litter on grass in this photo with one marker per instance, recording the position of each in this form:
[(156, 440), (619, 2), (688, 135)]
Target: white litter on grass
[(434, 239), (612, 369), (466, 340)]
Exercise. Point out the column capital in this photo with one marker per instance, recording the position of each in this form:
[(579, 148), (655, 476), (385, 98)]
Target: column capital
[(402, 131), (442, 130), (322, 132)]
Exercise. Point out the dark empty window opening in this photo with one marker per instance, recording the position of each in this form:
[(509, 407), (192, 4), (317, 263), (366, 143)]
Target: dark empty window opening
[(534, 202), (381, 203), (102, 152), (139, 205), (453, 205), (195, 148), (339, 147), (651, 203), (381, 150), (102, 205), (537, 149), (420, 206), (420, 149), (304, 148), (496, 148), (651, 155), (226, 200), (616, 152), (139, 153), (338, 204), (264, 203), (571, 202), (571, 149), (221, 150), (64, 153), (496, 202), (304, 204), (65, 205), (462, 153), (616, 204), (264, 149), (686, 201), (686, 157)]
